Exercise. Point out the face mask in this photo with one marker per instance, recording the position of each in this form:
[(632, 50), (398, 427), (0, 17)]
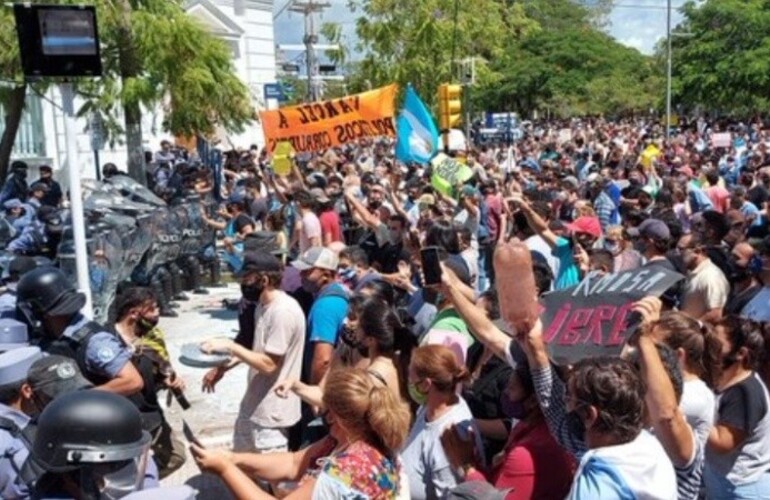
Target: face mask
[(613, 248), (739, 273), (251, 292), (575, 425), (147, 324), (640, 246), (309, 286), (394, 237), (375, 204), (512, 409), (348, 274), (417, 396)]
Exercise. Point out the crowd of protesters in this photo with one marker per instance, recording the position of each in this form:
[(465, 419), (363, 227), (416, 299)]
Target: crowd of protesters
[(366, 383)]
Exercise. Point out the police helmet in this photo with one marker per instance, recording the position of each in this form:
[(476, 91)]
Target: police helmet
[(46, 291), (86, 428)]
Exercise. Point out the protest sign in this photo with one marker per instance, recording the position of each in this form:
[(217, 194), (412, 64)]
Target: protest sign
[(448, 173), (321, 125), (721, 140), (591, 319), (649, 155), (282, 158), (565, 135)]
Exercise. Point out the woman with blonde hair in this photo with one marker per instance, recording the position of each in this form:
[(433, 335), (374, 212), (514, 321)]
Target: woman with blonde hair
[(368, 425), (434, 375), (625, 257)]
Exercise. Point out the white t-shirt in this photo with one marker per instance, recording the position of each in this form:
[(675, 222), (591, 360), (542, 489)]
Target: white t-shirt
[(279, 330), (698, 407), (706, 288), (424, 461), (311, 228)]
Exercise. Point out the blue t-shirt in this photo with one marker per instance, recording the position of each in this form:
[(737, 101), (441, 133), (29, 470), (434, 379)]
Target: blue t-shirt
[(569, 274), (325, 319)]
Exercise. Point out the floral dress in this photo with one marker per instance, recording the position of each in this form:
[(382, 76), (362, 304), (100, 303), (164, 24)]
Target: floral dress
[(359, 472)]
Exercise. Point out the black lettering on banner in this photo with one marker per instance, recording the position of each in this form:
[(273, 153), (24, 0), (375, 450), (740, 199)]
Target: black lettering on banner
[(282, 121), (303, 119), (448, 170), (331, 111), (339, 132), (319, 111)]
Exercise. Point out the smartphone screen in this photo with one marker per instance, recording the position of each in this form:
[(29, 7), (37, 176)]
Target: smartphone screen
[(431, 266)]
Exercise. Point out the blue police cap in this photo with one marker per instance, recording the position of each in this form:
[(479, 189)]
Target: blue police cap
[(13, 334), (15, 364)]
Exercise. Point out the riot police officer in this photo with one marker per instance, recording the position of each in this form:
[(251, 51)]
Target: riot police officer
[(51, 306), (15, 406), (18, 266), (89, 445), (16, 184)]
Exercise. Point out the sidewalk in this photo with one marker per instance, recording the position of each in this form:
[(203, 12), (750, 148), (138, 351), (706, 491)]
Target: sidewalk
[(211, 416)]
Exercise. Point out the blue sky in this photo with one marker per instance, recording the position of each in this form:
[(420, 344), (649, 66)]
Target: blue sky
[(636, 23)]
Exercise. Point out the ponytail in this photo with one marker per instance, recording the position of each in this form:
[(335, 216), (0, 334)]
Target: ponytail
[(367, 408), (712, 357), (388, 419)]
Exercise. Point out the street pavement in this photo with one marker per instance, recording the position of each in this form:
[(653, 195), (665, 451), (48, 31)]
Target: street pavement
[(211, 416)]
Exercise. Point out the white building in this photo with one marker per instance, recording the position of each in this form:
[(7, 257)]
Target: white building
[(246, 26)]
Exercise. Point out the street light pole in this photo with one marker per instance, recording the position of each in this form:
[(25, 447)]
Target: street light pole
[(668, 70)]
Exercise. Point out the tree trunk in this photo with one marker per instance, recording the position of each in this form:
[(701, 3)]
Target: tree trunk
[(13, 111), (130, 67)]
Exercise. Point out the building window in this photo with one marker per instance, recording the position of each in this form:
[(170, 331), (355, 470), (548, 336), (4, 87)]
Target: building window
[(30, 138)]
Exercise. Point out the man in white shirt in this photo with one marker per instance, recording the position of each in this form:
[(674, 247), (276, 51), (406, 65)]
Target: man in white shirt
[(264, 417), (706, 289)]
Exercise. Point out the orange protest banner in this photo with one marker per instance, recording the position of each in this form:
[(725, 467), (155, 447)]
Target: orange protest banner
[(321, 125)]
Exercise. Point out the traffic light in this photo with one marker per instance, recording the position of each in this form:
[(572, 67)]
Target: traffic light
[(450, 106)]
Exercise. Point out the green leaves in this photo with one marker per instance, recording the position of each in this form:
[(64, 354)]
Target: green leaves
[(721, 56)]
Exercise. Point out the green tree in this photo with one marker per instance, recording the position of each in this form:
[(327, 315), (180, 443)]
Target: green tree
[(153, 54), (721, 56), (413, 42)]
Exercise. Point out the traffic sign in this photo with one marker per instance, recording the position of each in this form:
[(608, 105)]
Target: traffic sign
[(274, 91)]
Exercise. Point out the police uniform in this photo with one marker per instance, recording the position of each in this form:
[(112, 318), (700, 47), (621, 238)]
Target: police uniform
[(14, 366), (105, 355)]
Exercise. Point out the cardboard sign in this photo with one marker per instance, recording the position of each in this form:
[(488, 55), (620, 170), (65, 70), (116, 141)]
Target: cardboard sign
[(448, 173), (721, 140), (321, 125), (649, 155), (282, 155), (565, 135), (591, 319)]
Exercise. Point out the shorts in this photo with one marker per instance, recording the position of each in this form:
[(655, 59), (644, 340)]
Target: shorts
[(249, 437)]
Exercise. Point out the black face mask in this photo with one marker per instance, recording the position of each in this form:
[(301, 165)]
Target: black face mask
[(251, 292), (147, 324), (739, 273), (375, 204)]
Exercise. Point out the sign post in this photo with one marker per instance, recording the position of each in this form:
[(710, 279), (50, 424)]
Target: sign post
[(62, 41)]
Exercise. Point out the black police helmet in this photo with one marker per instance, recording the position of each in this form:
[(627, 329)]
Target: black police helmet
[(88, 427), (47, 291)]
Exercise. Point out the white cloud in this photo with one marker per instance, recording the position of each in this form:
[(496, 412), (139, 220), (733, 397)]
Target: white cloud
[(641, 23), (636, 23)]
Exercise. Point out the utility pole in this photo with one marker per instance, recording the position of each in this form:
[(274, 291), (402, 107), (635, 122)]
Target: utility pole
[(308, 9), (668, 71)]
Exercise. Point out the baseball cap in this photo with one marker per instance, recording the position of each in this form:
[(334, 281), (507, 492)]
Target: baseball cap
[(236, 197), (13, 203), (586, 224), (594, 178), (13, 334), (571, 181), (317, 257), (319, 195), (259, 262), (46, 167), (55, 375), (477, 490), (39, 186), (651, 228), (426, 200)]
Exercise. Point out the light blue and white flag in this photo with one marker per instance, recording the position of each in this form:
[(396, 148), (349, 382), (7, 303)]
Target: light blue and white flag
[(417, 133)]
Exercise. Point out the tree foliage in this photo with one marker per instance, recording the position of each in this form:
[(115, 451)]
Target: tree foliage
[(153, 54), (536, 55), (721, 56)]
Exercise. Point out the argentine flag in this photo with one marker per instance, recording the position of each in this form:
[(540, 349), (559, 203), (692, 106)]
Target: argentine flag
[(417, 133)]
